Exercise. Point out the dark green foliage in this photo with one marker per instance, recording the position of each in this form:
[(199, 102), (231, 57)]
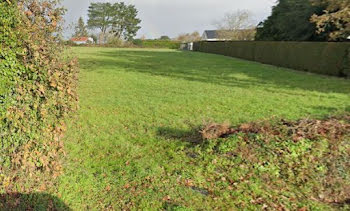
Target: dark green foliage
[(164, 37), (290, 21), (119, 18), (317, 57), (94, 37), (137, 42), (81, 29), (100, 16), (125, 22), (157, 44)]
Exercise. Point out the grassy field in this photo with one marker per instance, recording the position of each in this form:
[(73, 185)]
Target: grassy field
[(128, 147)]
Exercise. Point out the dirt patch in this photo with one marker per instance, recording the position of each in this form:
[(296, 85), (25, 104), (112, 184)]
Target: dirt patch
[(332, 128)]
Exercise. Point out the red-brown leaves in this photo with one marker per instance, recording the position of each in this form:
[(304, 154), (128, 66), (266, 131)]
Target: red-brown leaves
[(45, 93), (332, 128), (213, 130)]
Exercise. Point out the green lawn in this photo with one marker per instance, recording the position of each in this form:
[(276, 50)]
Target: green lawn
[(128, 146)]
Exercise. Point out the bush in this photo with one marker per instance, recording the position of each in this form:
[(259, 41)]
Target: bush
[(38, 90), (114, 41), (137, 42), (317, 57), (70, 43), (161, 44)]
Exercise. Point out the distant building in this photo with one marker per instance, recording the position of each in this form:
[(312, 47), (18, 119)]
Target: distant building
[(222, 35), (82, 40), (187, 46), (211, 35)]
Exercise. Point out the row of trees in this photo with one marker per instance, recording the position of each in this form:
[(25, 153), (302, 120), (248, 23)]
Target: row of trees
[(307, 20), (291, 20), (117, 21), (185, 37)]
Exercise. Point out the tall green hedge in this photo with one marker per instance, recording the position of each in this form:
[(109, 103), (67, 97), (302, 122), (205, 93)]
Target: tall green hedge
[(318, 57), (37, 90)]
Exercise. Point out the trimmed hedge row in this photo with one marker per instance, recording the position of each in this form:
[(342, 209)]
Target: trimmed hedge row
[(170, 44), (318, 57)]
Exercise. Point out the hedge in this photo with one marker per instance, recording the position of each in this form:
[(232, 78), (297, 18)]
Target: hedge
[(37, 90), (170, 44), (326, 58)]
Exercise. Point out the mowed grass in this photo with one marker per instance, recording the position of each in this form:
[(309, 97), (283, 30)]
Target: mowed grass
[(127, 146)]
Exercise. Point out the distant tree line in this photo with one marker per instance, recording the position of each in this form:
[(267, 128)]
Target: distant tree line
[(291, 20), (116, 22), (307, 20)]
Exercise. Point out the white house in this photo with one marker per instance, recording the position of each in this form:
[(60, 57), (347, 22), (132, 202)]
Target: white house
[(82, 40)]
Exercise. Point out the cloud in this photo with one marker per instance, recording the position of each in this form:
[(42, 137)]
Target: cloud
[(169, 17)]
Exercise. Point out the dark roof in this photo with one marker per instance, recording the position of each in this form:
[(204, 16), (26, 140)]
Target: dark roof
[(211, 34), (222, 34)]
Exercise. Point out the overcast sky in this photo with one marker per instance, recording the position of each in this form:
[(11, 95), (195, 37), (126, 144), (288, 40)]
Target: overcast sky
[(172, 17)]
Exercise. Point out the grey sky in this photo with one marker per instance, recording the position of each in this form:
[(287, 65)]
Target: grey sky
[(172, 17)]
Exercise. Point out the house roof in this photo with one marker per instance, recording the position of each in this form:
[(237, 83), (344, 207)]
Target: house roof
[(80, 39), (222, 34), (211, 34), (217, 34)]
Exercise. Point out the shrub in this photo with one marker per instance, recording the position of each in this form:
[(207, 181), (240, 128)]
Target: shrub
[(137, 42), (317, 57), (38, 90), (114, 41), (161, 44), (70, 43)]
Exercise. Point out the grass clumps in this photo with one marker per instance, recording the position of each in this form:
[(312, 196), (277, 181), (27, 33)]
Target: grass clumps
[(286, 165), (333, 128)]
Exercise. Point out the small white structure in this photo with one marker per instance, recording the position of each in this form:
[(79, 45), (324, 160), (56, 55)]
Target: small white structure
[(187, 46), (82, 40), (190, 46)]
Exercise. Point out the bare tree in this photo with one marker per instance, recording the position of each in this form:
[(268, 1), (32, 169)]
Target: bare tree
[(238, 25), (195, 36)]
